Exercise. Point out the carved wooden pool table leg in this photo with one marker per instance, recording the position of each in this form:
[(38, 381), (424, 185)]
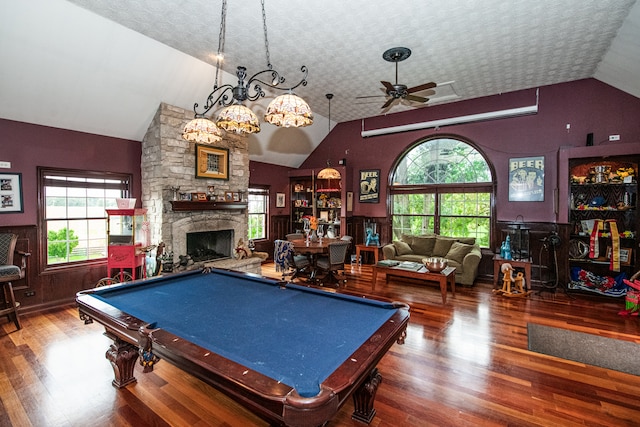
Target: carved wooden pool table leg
[(364, 396), (122, 356)]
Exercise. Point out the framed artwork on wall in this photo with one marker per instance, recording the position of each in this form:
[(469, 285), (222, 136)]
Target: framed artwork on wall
[(11, 193), (369, 186), (526, 179), (212, 162), (280, 200)]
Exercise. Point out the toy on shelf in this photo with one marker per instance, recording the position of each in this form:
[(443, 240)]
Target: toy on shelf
[(632, 298)]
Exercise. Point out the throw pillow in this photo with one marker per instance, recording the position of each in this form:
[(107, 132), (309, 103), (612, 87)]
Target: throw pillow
[(402, 248), (442, 246), (423, 245), (407, 238), (458, 251)]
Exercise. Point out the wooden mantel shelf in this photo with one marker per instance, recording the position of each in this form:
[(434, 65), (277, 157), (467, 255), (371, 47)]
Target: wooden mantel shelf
[(186, 205)]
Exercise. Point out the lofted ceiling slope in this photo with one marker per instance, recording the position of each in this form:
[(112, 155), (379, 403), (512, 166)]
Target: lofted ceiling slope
[(103, 66)]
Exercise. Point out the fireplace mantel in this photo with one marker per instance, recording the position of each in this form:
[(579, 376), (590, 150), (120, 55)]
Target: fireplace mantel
[(186, 205)]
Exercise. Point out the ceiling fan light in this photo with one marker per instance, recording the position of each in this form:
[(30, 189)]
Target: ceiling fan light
[(239, 119), (289, 110), (201, 130)]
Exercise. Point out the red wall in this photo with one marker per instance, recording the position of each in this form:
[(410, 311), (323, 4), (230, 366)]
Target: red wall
[(277, 177), (589, 106), (28, 146)]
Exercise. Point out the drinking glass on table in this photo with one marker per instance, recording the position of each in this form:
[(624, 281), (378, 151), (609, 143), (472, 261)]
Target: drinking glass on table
[(307, 229), (320, 232)]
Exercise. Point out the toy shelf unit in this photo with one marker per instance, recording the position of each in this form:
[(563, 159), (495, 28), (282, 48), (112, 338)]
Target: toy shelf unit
[(128, 240), (603, 204)]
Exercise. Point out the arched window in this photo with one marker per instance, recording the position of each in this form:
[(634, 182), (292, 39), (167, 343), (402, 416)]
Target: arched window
[(442, 185)]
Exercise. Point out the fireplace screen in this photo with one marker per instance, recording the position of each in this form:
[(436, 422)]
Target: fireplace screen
[(209, 245)]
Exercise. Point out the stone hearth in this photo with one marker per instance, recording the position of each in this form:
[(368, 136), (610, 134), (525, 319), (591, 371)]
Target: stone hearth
[(168, 166)]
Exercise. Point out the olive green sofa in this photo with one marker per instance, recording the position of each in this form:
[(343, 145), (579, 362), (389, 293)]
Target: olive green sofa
[(462, 252)]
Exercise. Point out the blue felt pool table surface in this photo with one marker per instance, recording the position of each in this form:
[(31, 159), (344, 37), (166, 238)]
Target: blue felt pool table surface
[(294, 334)]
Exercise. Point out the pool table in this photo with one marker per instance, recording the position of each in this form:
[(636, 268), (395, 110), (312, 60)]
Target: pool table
[(292, 354)]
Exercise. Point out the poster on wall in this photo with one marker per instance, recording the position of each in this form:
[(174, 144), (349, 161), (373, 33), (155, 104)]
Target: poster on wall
[(370, 186), (11, 193), (526, 179)]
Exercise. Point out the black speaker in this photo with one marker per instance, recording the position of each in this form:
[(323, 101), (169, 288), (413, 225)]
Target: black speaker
[(589, 140)]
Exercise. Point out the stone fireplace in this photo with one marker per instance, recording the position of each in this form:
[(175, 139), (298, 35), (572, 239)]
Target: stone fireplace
[(168, 167), (210, 245)]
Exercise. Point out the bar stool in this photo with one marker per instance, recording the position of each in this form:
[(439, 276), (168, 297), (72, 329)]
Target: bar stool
[(9, 273)]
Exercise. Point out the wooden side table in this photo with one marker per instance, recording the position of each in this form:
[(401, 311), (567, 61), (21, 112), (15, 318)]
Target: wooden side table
[(525, 264), (365, 248)]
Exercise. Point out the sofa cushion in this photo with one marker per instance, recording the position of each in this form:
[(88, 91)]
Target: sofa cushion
[(423, 245), (402, 248), (442, 246), (458, 251), (467, 240)]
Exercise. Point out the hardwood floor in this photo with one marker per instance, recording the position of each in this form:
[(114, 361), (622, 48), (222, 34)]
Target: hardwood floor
[(465, 363)]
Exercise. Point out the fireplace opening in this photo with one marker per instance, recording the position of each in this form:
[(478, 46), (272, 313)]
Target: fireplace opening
[(208, 245)]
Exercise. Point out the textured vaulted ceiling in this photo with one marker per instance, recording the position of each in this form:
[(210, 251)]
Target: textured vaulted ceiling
[(103, 66)]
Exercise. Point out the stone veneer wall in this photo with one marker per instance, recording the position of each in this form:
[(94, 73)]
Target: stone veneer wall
[(168, 161)]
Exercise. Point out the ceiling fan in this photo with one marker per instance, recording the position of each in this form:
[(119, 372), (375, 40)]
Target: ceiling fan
[(399, 91)]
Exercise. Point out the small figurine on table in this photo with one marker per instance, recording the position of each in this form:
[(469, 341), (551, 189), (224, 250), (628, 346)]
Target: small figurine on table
[(372, 238)]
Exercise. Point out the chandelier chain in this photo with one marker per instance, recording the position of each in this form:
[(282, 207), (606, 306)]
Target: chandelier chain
[(221, 36), (266, 40)]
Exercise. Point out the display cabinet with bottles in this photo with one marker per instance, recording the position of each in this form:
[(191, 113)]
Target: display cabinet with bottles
[(302, 200), (325, 199), (127, 239), (603, 198)]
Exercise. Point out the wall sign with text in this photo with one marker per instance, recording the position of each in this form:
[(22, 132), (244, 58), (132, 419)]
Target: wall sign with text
[(526, 179), (370, 186)]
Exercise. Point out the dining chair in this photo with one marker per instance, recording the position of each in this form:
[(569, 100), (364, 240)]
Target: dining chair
[(301, 262), (284, 259), (332, 263), (9, 273)]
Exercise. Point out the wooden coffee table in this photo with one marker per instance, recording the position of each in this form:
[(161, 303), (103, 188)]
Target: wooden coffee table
[(447, 276)]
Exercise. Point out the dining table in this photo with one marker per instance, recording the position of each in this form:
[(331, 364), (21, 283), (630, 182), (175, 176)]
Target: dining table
[(312, 249)]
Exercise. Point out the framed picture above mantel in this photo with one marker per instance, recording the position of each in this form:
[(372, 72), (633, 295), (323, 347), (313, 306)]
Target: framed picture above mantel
[(212, 162)]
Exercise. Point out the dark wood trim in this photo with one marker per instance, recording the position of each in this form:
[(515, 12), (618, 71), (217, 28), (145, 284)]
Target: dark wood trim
[(186, 205)]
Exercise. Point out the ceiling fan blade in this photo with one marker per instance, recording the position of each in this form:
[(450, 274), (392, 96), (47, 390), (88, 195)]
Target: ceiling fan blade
[(416, 98), (388, 86), (363, 102), (421, 87), (388, 103), (370, 96)]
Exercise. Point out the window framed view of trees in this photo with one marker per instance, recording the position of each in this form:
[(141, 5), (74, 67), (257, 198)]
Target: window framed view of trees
[(73, 215), (258, 213), (442, 185)]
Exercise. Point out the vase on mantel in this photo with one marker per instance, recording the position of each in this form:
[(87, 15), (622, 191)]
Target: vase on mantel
[(314, 235)]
